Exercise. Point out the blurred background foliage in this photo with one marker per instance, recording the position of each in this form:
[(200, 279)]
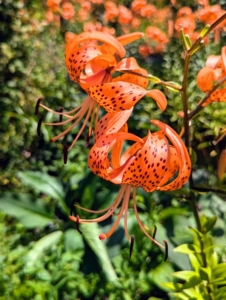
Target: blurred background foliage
[(42, 254)]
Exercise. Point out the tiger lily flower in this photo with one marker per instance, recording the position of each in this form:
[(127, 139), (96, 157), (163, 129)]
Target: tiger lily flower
[(151, 163), (91, 65), (213, 72)]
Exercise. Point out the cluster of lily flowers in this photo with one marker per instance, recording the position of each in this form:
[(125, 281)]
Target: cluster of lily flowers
[(159, 24), (158, 161)]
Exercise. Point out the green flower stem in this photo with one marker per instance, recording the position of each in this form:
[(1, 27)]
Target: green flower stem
[(188, 145), (187, 135)]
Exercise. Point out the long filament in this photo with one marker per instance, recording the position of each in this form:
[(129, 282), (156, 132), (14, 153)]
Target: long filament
[(108, 214), (140, 223), (126, 200)]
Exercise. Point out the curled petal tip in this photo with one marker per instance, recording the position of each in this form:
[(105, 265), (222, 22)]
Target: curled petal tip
[(102, 236)]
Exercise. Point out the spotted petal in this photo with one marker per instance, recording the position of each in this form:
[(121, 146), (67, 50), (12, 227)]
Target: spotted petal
[(184, 158), (150, 164), (121, 95), (99, 162)]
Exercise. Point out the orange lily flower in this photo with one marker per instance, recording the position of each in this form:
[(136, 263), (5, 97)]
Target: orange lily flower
[(214, 71), (91, 66), (150, 163)]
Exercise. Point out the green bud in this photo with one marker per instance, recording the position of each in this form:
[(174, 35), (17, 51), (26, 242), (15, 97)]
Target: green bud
[(153, 78), (186, 41), (205, 31)]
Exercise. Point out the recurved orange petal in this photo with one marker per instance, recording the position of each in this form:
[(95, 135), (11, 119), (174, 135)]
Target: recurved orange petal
[(121, 95), (111, 123), (205, 79), (99, 162), (123, 40), (105, 38), (77, 58), (184, 158)]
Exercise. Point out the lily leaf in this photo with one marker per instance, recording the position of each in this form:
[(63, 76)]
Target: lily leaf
[(45, 184), (45, 243), (29, 211), (91, 233)]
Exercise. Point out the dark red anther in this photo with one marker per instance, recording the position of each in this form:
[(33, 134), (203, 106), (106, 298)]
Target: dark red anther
[(65, 154), (154, 233), (37, 106), (77, 224), (39, 126), (61, 116), (131, 246), (166, 250), (87, 140), (72, 207)]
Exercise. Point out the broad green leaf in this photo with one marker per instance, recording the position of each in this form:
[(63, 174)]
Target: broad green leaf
[(161, 274), (220, 293), (219, 281), (192, 282), (196, 231), (187, 248), (219, 270), (213, 260), (173, 286), (193, 294), (205, 273), (47, 242), (185, 275), (205, 31), (203, 219), (73, 240), (181, 296), (45, 184), (209, 224), (194, 261), (90, 234), (29, 212)]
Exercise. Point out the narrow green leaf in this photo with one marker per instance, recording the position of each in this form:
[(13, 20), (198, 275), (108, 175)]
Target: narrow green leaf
[(187, 248), (205, 273), (205, 31), (194, 261), (91, 234), (29, 211), (196, 231), (153, 78), (175, 88), (219, 281), (219, 271), (209, 224), (220, 293), (193, 294), (45, 243), (173, 286), (45, 184), (184, 275)]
